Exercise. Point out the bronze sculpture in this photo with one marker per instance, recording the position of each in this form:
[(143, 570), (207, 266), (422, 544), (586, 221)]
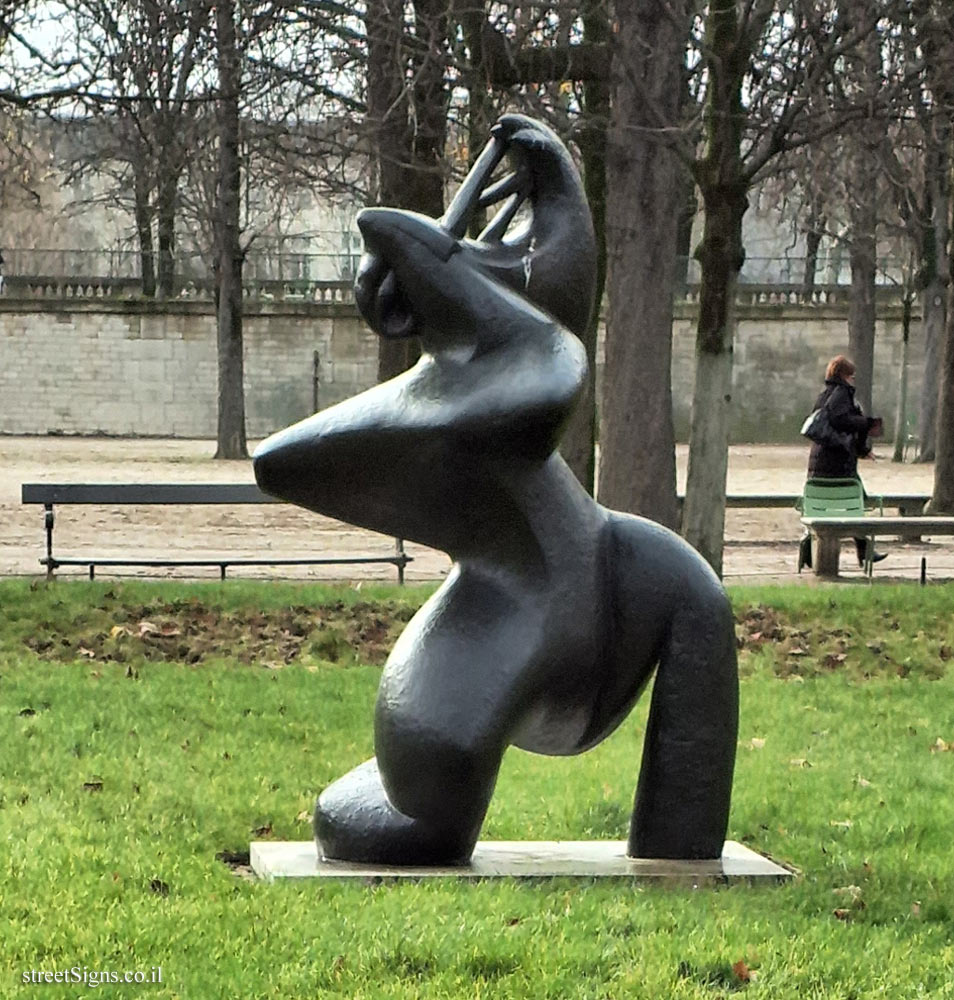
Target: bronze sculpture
[(557, 610)]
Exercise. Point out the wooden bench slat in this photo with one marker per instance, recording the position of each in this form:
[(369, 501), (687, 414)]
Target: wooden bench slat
[(144, 493)]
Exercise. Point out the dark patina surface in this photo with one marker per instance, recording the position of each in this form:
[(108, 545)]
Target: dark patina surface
[(557, 610)]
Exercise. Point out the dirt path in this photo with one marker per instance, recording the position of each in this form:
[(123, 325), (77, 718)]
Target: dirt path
[(760, 544)]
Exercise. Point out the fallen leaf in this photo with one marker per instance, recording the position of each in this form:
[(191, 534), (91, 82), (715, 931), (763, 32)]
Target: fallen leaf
[(147, 628), (93, 786), (756, 743), (118, 630), (940, 746), (800, 762), (845, 824), (27, 712), (841, 914), (916, 908), (263, 831), (862, 782), (742, 971), (88, 653), (304, 816), (159, 887)]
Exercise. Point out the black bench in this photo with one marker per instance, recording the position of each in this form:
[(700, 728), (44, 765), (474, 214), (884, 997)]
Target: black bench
[(115, 494)]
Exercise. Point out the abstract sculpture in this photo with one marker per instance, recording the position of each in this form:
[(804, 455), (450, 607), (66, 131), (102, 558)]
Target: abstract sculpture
[(556, 610)]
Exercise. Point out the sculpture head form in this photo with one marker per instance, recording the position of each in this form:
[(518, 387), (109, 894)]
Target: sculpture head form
[(550, 258)]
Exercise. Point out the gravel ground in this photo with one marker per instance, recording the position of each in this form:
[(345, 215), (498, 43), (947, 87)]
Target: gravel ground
[(760, 544)]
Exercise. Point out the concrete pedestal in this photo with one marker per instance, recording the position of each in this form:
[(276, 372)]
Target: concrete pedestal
[(526, 859)]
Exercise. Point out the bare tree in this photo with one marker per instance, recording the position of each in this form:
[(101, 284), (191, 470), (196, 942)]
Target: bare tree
[(935, 113), (229, 253), (638, 471), (145, 105), (939, 27), (764, 62)]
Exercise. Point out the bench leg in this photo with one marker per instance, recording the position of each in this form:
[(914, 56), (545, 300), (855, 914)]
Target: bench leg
[(826, 550), (48, 522), (399, 550)]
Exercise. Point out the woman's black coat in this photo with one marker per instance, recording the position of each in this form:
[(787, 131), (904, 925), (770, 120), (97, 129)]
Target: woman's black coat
[(833, 461)]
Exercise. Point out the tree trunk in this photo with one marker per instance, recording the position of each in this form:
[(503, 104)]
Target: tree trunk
[(637, 440), (143, 214), (166, 224), (723, 185), (934, 297), (942, 499), (863, 212), (579, 441), (684, 226), (229, 256), (703, 517), (933, 320), (901, 411), (408, 124), (861, 308), (813, 237)]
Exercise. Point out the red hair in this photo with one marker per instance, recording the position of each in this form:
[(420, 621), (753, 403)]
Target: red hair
[(840, 367)]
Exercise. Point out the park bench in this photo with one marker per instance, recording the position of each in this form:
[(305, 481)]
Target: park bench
[(827, 533), (116, 494), (906, 504), (833, 509)]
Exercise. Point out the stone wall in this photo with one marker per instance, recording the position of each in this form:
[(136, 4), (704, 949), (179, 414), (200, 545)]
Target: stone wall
[(780, 354), (145, 368), (129, 367)]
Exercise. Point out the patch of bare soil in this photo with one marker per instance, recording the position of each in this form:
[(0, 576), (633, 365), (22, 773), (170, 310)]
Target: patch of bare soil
[(192, 632), (798, 649)]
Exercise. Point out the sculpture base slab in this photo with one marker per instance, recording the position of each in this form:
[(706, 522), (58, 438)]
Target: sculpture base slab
[(526, 859)]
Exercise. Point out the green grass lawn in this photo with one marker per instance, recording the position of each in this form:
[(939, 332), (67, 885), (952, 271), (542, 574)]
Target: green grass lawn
[(148, 728)]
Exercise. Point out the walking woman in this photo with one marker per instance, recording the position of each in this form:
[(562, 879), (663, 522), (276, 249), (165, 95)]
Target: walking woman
[(840, 461)]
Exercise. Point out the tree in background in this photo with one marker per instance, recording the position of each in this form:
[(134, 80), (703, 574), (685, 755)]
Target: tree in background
[(406, 121), (765, 63), (939, 38), (149, 57), (934, 111), (229, 253), (637, 439)]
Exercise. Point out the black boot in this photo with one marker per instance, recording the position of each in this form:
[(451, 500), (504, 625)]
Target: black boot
[(805, 552), (861, 547)]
